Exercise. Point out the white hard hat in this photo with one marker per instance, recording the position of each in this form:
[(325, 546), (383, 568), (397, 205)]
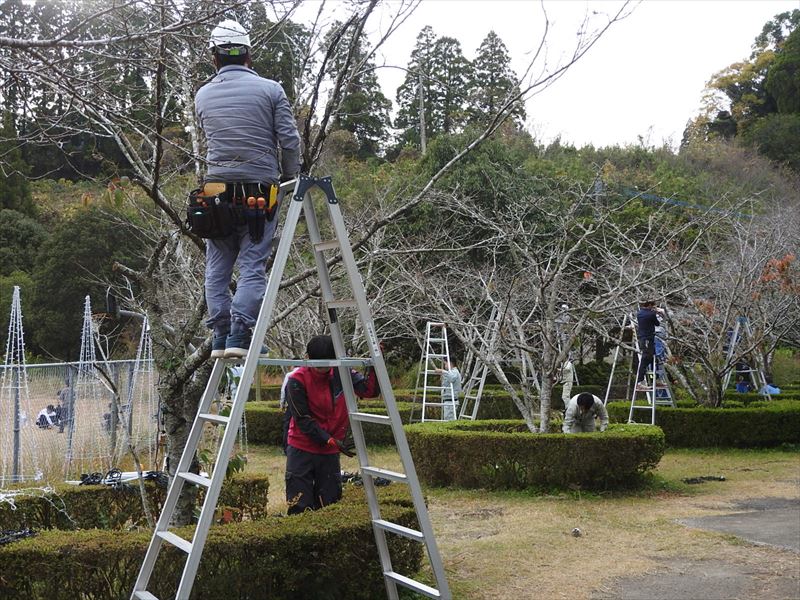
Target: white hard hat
[(229, 33)]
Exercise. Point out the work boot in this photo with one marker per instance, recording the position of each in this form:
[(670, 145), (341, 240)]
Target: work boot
[(218, 345), (237, 345)]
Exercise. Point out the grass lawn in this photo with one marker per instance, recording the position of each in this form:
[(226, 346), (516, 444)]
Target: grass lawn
[(519, 545)]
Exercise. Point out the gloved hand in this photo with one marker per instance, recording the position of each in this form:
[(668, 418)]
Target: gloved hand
[(341, 447)]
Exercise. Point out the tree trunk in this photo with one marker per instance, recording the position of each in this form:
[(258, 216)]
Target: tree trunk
[(179, 407), (545, 401)]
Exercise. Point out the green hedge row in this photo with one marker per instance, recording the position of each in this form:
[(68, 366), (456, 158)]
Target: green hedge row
[(503, 454), (265, 422), (325, 554), (496, 403), (761, 424), (102, 507)]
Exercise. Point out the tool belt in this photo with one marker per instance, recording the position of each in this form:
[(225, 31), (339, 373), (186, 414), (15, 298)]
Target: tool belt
[(217, 209)]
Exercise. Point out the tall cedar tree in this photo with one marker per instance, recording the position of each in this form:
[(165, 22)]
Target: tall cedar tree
[(493, 82), (452, 74), (419, 73), (364, 110)]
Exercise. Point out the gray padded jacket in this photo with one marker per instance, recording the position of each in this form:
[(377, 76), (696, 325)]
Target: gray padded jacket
[(245, 118)]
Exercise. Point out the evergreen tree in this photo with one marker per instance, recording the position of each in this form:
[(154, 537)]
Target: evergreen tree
[(783, 78), (493, 81), (15, 192), (451, 74), (278, 50), (364, 110), (20, 238), (77, 256), (419, 74)]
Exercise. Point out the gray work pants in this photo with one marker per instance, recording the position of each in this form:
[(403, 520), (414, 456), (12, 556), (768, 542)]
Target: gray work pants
[(221, 256)]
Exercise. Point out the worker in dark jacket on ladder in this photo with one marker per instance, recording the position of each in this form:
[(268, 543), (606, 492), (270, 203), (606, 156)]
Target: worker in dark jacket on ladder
[(646, 323), (318, 428)]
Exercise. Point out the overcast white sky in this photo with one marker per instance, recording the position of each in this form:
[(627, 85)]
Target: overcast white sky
[(644, 77)]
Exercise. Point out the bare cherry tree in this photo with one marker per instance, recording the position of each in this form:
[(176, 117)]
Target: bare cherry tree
[(747, 270), (529, 255)]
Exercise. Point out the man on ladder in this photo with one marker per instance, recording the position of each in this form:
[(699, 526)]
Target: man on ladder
[(647, 321), (245, 119)]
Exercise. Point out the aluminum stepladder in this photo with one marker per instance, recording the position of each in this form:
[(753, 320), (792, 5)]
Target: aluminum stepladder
[(302, 203), (437, 348), (627, 326), (754, 372), (473, 390), (659, 388)]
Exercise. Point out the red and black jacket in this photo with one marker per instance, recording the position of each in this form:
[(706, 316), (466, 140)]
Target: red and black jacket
[(319, 409)]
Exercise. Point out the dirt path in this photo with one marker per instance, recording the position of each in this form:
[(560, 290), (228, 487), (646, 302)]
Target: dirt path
[(505, 546), (717, 540)]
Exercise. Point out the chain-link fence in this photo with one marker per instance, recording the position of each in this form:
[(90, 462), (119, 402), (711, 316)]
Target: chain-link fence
[(62, 419)]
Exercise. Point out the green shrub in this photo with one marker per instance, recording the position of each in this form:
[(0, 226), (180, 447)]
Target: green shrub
[(326, 554), (503, 454), (761, 424), (594, 373), (496, 403), (102, 507), (265, 422)]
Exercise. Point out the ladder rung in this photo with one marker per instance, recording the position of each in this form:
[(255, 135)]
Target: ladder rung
[(436, 339), (175, 540), (196, 479), (350, 303), (412, 534), (412, 584), (319, 362), (331, 245), (214, 418), (431, 355), (370, 418), (144, 595), (385, 473)]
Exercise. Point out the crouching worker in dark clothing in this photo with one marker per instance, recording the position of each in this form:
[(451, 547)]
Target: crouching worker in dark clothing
[(317, 429)]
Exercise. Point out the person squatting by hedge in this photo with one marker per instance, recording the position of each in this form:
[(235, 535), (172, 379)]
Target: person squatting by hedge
[(581, 412), (318, 427), (245, 119)]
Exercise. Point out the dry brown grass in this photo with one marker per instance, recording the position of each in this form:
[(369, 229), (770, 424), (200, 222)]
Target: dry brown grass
[(504, 545)]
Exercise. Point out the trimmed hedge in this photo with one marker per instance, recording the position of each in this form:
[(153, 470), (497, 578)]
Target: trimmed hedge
[(325, 554), (265, 422), (503, 454), (760, 424), (102, 507)]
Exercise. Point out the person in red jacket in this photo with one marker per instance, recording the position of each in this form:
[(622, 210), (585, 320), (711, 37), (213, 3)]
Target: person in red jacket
[(318, 426)]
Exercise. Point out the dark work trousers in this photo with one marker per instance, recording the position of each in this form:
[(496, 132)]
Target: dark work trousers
[(312, 480), (647, 346), (287, 419)]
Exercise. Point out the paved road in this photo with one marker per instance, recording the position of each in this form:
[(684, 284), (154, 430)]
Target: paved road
[(769, 521)]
